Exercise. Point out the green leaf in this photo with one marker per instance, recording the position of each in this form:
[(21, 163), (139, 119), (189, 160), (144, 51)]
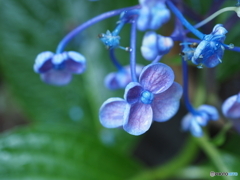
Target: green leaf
[(30, 27), (59, 151), (231, 144)]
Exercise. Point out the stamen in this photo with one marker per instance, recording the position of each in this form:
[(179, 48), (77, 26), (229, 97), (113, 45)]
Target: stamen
[(193, 45)]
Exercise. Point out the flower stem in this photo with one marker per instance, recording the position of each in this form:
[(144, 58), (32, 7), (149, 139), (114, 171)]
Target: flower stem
[(88, 23), (185, 157), (184, 21), (185, 88), (114, 59), (133, 50), (205, 21), (213, 154)]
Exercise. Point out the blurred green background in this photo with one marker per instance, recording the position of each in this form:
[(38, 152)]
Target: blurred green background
[(53, 132)]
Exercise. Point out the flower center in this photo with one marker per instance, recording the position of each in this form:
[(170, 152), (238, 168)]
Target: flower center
[(147, 97)]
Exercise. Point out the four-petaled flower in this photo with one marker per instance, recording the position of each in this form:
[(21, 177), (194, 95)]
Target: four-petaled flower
[(152, 15), (57, 69), (193, 122), (154, 45), (121, 78), (210, 50), (155, 97)]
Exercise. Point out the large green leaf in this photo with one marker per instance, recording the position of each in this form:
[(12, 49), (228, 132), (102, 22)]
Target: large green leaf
[(30, 27), (57, 151)]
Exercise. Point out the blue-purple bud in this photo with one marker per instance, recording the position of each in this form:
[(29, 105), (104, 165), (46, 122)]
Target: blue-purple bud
[(210, 50), (154, 45)]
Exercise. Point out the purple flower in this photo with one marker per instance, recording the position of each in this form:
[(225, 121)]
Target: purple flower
[(152, 15), (121, 78), (154, 45), (193, 122), (57, 69), (210, 50), (231, 107), (155, 97)]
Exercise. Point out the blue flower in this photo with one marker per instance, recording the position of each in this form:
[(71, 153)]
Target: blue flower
[(210, 50), (121, 78), (231, 107), (152, 15), (57, 69), (193, 122), (154, 45), (155, 97)]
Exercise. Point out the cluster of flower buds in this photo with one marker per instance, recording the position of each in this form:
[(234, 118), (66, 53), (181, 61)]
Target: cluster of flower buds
[(150, 91)]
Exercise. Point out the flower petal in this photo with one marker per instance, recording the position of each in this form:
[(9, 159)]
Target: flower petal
[(160, 15), (143, 19), (111, 113), (122, 78), (149, 46), (186, 122), (111, 81), (133, 92), (190, 124), (231, 107), (164, 44), (210, 111), (196, 129), (165, 105), (210, 50), (58, 60), (56, 77), (75, 63), (43, 62), (156, 78), (218, 29), (139, 119)]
